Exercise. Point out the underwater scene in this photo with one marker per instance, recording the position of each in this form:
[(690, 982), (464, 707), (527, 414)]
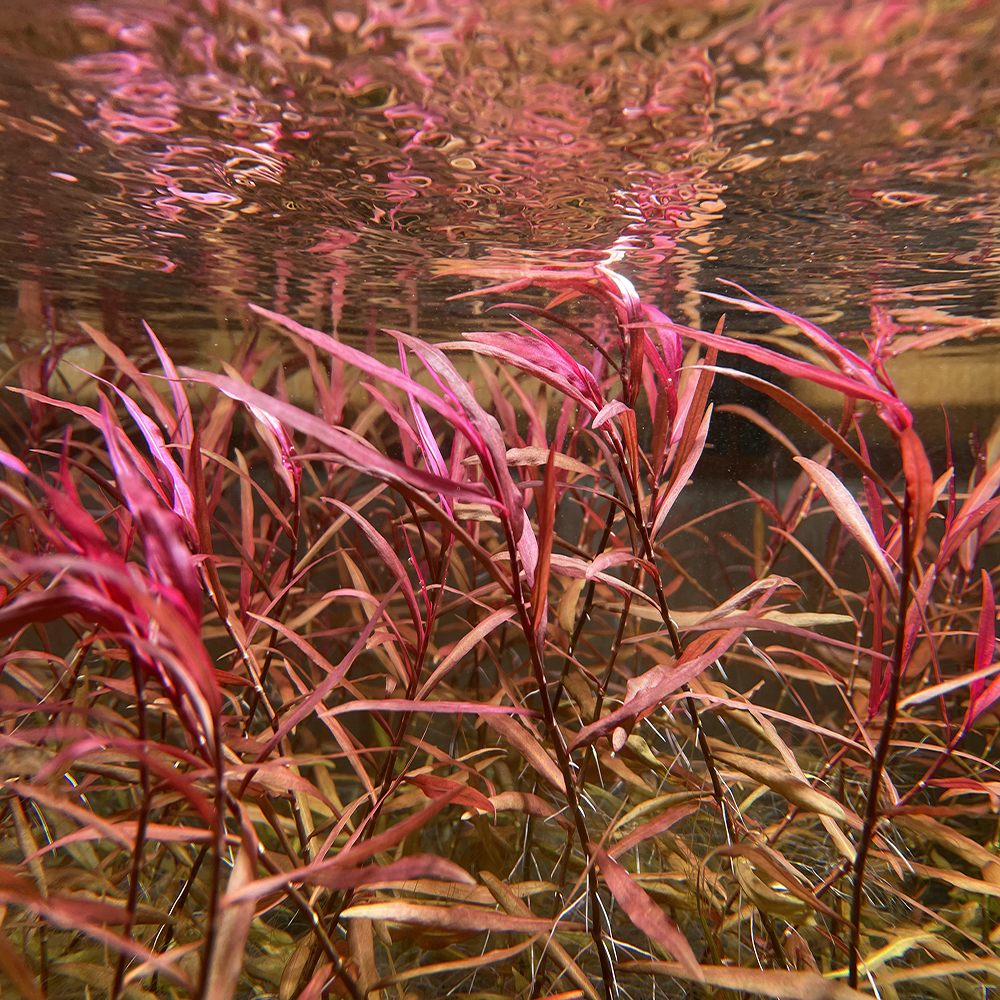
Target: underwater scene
[(499, 499)]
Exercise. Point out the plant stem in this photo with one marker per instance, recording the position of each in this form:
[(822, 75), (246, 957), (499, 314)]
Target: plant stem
[(882, 750), (140, 830), (562, 756), (220, 843)]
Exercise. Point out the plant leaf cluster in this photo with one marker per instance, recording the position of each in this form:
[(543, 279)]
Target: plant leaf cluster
[(431, 689)]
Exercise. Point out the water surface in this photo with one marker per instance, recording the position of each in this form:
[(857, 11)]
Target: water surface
[(355, 162)]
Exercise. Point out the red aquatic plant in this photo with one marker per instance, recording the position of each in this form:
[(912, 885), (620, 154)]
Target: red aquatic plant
[(461, 670)]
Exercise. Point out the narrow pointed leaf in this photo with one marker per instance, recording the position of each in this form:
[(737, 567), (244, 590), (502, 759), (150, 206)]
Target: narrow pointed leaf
[(334, 674), (529, 748), (185, 426), (985, 651), (970, 516), (452, 917), (682, 475), (391, 560), (777, 984), (355, 854), (607, 412), (139, 380), (433, 787), (234, 923), (463, 646), (658, 683), (348, 449), (646, 914), (546, 533), (919, 486), (851, 517), (539, 356), (517, 907)]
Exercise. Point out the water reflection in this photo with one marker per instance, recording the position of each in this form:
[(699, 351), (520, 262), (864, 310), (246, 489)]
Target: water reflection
[(331, 158)]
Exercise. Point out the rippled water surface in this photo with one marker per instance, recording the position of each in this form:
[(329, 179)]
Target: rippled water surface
[(357, 162)]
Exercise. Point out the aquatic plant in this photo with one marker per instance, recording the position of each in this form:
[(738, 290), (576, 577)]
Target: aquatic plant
[(369, 699)]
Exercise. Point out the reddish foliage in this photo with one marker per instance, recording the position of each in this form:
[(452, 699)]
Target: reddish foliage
[(435, 650)]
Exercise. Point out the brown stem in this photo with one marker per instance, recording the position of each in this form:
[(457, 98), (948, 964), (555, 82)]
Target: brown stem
[(317, 926), (370, 815), (882, 750), (678, 649), (585, 612), (177, 906), (140, 830), (215, 893), (258, 693), (562, 757)]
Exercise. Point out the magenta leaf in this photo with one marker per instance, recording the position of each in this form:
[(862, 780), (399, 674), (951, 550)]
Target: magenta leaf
[(970, 516), (185, 426), (484, 434), (847, 384), (183, 504), (346, 448), (608, 412), (538, 356)]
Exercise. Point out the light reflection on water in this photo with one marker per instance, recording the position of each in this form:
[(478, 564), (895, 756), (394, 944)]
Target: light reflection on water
[(346, 160)]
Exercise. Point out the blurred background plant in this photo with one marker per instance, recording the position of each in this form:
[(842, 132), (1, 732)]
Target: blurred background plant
[(458, 681)]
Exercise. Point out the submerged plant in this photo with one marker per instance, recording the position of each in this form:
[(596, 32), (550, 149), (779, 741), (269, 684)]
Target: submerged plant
[(456, 689)]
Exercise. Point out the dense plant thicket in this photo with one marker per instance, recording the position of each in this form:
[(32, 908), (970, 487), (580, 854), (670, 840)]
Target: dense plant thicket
[(409, 696)]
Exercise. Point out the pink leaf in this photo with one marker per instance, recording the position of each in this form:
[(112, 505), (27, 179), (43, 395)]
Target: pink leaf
[(347, 449), (851, 517), (646, 914), (428, 443), (682, 475), (792, 367), (359, 359), (333, 677), (407, 869), (279, 444), (321, 978), (845, 359), (653, 828), (126, 367), (185, 428), (352, 855), (183, 502), (524, 742), (919, 485), (419, 705), (970, 516), (433, 787), (226, 960), (539, 356), (607, 412), (670, 339), (651, 688), (461, 648), (391, 560), (484, 433), (105, 426), (616, 557)]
